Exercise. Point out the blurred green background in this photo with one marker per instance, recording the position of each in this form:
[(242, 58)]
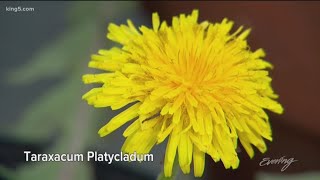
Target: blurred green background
[(43, 56)]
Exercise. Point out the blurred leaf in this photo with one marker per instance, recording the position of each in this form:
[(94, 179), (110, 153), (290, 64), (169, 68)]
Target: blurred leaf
[(175, 170), (103, 11), (61, 108), (280, 176), (83, 11), (45, 114), (56, 170), (73, 138), (57, 58), (5, 173)]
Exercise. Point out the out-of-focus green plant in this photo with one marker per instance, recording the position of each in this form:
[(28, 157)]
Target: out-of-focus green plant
[(59, 113), (175, 171), (48, 113), (281, 176)]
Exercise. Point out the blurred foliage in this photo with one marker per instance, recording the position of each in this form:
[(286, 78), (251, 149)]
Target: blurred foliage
[(58, 58), (6, 173), (175, 171), (49, 111), (60, 114), (281, 176)]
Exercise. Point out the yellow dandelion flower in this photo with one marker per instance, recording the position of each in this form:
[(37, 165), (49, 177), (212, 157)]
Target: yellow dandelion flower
[(195, 84)]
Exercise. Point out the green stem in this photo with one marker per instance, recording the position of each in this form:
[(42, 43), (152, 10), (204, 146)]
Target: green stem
[(175, 171)]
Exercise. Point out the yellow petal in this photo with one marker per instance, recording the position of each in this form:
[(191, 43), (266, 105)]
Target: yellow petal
[(177, 103), (185, 153), (192, 118), (191, 99), (119, 120), (247, 146), (176, 116), (132, 128), (97, 78), (170, 154), (199, 162), (155, 21), (141, 141)]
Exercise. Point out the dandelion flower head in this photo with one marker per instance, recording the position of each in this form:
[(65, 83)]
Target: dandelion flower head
[(196, 84)]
